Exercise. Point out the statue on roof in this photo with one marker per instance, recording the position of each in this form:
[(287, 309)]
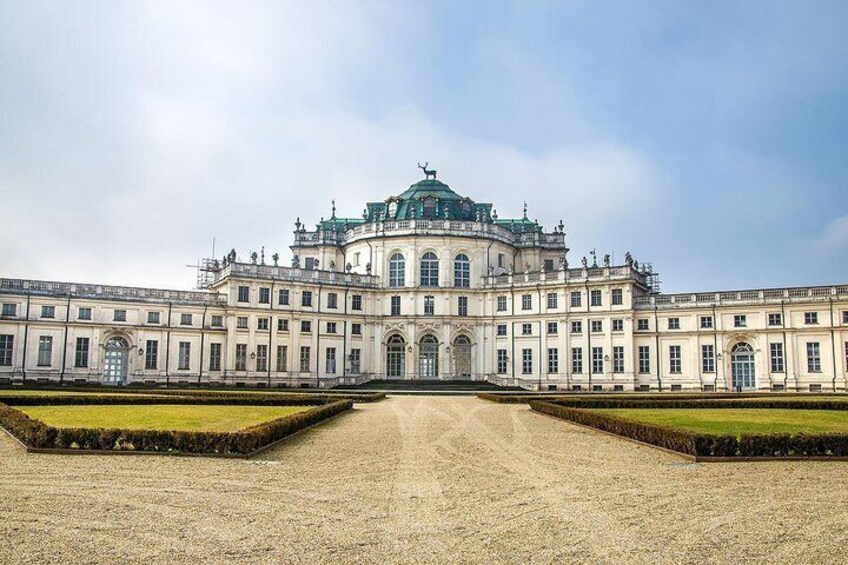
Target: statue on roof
[(276, 259), (295, 262), (584, 262), (428, 173), (333, 202), (628, 259), (607, 260), (525, 209)]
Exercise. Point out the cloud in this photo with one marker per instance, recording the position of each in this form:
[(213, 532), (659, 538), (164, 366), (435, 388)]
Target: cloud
[(833, 239)]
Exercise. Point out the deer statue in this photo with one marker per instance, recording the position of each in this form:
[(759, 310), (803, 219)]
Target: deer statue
[(428, 173)]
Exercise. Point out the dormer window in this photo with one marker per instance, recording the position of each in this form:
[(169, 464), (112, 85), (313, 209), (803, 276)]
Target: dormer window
[(429, 207), (393, 206)]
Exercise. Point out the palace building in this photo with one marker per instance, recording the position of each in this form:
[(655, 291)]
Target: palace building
[(427, 285)]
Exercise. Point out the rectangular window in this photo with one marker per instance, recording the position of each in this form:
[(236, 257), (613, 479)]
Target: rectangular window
[(244, 294), (462, 306), (597, 326), (120, 316), (553, 360), (82, 314), (675, 361), (331, 327), (501, 329), (151, 354), (282, 325), (617, 359), (501, 257), (617, 297), (356, 259), (7, 344), (642, 324), (241, 357), (185, 319), (502, 362), (811, 318), (775, 319), (526, 361), (740, 321), (553, 328), (674, 323), (184, 356), (644, 359), (395, 305), (845, 316), (526, 329), (355, 361), (575, 299), (776, 356), (813, 357), (330, 362), (153, 317), (595, 298), (597, 360), (501, 303), (618, 325), (215, 357), (217, 321), (706, 322), (577, 327), (261, 358), (263, 324), (12, 310), (332, 300), (397, 271), (241, 322), (283, 297), (356, 302), (305, 326), (356, 329), (282, 358), (48, 311), (549, 264), (81, 352), (45, 351), (429, 305), (311, 263), (306, 298), (305, 359), (526, 301), (577, 360), (264, 295), (707, 359), (552, 300)]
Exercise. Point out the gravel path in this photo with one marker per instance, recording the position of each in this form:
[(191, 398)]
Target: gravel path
[(423, 480)]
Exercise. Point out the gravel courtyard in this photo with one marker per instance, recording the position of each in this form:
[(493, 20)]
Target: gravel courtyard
[(422, 480)]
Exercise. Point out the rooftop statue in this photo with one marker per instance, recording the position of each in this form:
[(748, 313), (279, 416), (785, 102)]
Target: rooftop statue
[(428, 173)]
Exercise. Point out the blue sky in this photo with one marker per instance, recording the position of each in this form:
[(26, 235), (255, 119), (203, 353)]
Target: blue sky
[(708, 138)]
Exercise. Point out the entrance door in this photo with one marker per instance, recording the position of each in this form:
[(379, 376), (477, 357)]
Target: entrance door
[(115, 367), (395, 358), (428, 358), (462, 357), (742, 367)]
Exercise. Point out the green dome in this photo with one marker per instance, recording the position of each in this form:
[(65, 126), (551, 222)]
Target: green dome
[(431, 187)]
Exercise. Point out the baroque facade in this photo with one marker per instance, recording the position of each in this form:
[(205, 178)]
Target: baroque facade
[(427, 285)]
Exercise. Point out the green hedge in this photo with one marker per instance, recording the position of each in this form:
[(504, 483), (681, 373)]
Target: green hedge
[(210, 393), (790, 404), (232, 399), (505, 398), (704, 445), (35, 434)]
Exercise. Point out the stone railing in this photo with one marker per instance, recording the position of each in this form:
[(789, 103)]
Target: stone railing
[(621, 272), (270, 272), (102, 291), (698, 299)]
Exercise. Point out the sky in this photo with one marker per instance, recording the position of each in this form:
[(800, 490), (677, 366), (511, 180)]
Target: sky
[(708, 138)]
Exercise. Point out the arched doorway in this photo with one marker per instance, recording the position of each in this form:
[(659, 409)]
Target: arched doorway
[(115, 365), (428, 358), (742, 367), (462, 357), (395, 358)]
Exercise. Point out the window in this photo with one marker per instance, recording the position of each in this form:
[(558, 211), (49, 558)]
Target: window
[(331, 327), (429, 305), (597, 326), (501, 304), (217, 321), (185, 319), (577, 360), (82, 314), (776, 356), (706, 322), (707, 359), (332, 300), (12, 310), (282, 325), (306, 298), (397, 271), (184, 356), (214, 356), (462, 306), (526, 301), (356, 259), (597, 360), (674, 359), (120, 316), (45, 351), (577, 327), (461, 271), (356, 329), (595, 298), (740, 321), (330, 361), (81, 352), (553, 360), (845, 316), (617, 359), (642, 325), (282, 356), (264, 295), (263, 324), (305, 326), (395, 305), (811, 318), (502, 360), (283, 297), (151, 354), (644, 359), (775, 319), (575, 299), (355, 361), (48, 311), (813, 357), (526, 329), (261, 358), (241, 357), (429, 269), (617, 297), (526, 361), (311, 263), (618, 325), (244, 294), (501, 329), (501, 258), (553, 327), (7, 345), (356, 302), (305, 361), (674, 323), (241, 322), (552, 300)]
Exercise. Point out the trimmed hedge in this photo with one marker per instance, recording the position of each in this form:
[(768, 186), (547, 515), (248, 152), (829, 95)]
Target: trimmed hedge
[(511, 398), (789, 404), (704, 445), (231, 399), (36, 434)]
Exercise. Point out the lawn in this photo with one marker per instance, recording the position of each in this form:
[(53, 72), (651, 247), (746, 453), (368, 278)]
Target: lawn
[(184, 417), (734, 421)]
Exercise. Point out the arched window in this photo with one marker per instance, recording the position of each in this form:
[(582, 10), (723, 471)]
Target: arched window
[(461, 271), (395, 358), (397, 268), (429, 269)]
